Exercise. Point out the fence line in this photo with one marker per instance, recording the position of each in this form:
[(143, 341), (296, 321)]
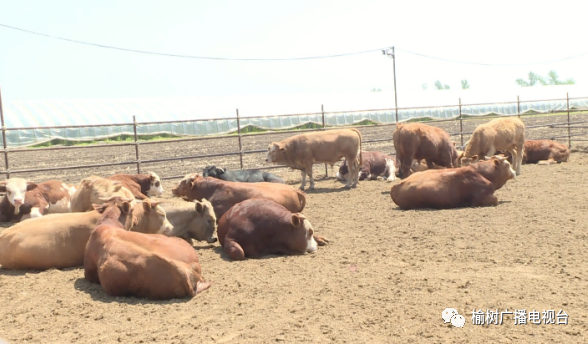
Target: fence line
[(136, 143)]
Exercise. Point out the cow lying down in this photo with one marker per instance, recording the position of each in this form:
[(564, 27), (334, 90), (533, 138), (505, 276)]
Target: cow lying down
[(257, 227), (25, 199), (471, 186), (374, 164), (190, 220), (141, 185), (59, 240), (244, 176), (543, 152), (93, 190), (223, 195), (130, 263)]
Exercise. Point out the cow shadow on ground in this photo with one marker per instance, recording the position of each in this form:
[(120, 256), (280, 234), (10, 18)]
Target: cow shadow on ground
[(224, 256), (7, 272), (95, 291)]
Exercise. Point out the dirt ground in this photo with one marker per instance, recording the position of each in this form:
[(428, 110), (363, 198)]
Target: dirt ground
[(385, 277)]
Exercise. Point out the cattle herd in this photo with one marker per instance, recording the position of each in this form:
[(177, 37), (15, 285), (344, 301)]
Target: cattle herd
[(133, 243)]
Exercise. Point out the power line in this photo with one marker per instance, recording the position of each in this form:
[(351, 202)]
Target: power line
[(493, 64), (188, 56)]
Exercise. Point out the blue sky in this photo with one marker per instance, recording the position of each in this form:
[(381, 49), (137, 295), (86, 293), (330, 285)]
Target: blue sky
[(498, 32)]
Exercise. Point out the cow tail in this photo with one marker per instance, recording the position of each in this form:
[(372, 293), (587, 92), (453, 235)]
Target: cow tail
[(360, 158)]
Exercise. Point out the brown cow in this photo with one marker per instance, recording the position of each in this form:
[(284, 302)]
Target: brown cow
[(423, 142), (223, 194), (471, 186), (93, 189), (300, 152), (373, 165), (501, 134), (543, 152), (141, 185), (129, 263), (25, 199), (59, 240), (257, 227)]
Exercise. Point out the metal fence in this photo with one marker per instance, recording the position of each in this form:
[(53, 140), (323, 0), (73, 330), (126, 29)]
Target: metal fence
[(463, 117)]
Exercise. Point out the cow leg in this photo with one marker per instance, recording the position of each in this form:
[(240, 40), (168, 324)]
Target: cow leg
[(309, 172), (303, 174), (234, 250), (484, 197), (519, 158), (405, 165), (321, 241), (490, 152), (353, 172)]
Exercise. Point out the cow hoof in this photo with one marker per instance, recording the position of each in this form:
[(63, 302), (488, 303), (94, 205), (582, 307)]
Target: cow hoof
[(321, 241), (301, 188)]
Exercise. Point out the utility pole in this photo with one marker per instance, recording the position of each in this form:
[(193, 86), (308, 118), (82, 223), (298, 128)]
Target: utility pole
[(390, 53)]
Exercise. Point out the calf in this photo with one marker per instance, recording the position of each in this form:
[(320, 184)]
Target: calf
[(244, 176), (543, 152), (141, 185), (471, 186), (501, 134), (25, 199), (300, 152), (59, 240), (257, 227), (373, 165), (135, 264), (423, 142), (93, 190), (223, 195), (191, 220)]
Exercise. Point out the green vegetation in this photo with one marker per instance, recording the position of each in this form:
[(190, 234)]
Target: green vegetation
[(440, 86), (464, 84), (552, 79), (376, 89), (115, 139)]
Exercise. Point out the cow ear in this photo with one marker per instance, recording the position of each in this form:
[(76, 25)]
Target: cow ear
[(3, 186), (221, 170), (199, 207), (155, 203), (31, 186), (497, 162), (281, 146), (474, 157), (99, 207), (126, 207), (297, 219)]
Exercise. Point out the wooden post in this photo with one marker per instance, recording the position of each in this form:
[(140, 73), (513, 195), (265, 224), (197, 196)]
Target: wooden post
[(136, 145), (460, 124), (240, 144), (569, 135), (4, 138), (323, 112)]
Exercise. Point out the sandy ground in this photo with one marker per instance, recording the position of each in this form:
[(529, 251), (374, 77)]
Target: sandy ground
[(386, 276)]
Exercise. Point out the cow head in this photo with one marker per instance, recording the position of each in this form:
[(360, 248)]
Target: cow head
[(465, 161), (212, 171), (504, 167), (118, 209), (151, 218), (182, 189), (343, 173), (155, 189), (275, 152), (204, 226), (300, 221), (15, 189)]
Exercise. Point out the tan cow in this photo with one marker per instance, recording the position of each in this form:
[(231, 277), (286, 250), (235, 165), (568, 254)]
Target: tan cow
[(300, 152), (191, 220), (501, 134), (59, 240), (93, 189), (141, 185)]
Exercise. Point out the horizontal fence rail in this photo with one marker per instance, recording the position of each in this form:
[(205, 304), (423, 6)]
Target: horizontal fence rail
[(239, 135)]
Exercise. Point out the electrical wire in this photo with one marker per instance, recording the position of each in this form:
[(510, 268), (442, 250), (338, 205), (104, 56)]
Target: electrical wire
[(190, 56)]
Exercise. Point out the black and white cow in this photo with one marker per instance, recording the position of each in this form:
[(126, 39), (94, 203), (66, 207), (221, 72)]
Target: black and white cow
[(245, 176), (374, 164)]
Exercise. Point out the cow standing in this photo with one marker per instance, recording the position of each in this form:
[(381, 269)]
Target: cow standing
[(26, 199), (257, 227), (423, 142), (501, 134), (300, 152), (471, 186)]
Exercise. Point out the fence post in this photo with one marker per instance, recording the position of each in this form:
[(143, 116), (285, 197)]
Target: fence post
[(460, 124), (323, 112), (518, 107), (136, 145), (4, 138), (240, 144), (569, 135)]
